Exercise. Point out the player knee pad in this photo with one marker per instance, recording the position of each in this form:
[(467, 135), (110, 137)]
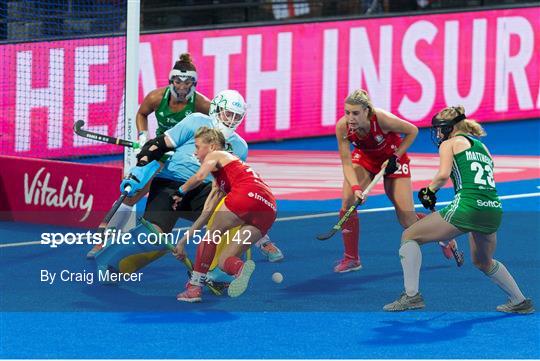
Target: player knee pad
[(154, 149)]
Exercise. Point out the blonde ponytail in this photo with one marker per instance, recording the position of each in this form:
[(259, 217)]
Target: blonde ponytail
[(472, 127), (468, 126)]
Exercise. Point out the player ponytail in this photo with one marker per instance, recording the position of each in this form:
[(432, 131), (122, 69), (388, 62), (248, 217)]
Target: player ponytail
[(211, 136), (472, 127), (468, 126), (185, 63), (361, 97)]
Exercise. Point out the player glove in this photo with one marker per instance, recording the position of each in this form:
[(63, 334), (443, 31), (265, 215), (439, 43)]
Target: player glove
[(392, 165), (143, 137), (139, 177), (427, 197)]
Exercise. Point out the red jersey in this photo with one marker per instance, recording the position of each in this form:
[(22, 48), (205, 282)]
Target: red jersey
[(247, 195), (237, 174), (376, 147), (375, 144)]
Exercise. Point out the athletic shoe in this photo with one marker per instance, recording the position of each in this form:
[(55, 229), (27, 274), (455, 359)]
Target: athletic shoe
[(347, 265), (405, 302), (240, 283), (446, 250), (271, 252), (95, 250), (191, 294), (524, 307)]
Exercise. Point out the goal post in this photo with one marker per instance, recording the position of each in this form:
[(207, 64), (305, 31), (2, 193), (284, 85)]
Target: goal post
[(132, 79)]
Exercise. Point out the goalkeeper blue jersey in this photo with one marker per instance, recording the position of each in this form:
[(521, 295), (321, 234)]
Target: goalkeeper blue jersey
[(183, 164)]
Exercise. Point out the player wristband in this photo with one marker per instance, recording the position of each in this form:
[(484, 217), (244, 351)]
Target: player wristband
[(356, 188), (180, 192)]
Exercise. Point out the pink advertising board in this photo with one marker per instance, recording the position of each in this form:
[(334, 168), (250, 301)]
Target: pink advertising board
[(295, 77), (53, 192)]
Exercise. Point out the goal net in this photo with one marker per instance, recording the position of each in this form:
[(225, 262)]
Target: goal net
[(61, 61)]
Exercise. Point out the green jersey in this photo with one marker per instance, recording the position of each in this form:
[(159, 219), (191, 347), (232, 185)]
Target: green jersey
[(472, 170), (476, 206), (166, 118)]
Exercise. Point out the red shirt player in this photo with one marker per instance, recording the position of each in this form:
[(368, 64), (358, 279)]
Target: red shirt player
[(375, 136), (249, 203)]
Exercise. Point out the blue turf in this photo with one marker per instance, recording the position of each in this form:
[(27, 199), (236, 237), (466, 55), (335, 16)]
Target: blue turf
[(202, 334), (292, 314)]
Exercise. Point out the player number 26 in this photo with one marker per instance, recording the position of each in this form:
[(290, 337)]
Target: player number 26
[(402, 169)]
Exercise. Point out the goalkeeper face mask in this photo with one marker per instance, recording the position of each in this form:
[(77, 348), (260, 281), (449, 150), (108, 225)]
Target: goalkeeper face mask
[(228, 110), (182, 84)]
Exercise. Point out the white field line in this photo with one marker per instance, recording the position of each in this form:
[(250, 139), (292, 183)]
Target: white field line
[(310, 216)]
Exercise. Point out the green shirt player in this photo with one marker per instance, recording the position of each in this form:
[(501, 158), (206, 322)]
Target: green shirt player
[(174, 102), (476, 210)]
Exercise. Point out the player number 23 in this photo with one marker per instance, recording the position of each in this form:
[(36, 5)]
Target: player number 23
[(479, 177)]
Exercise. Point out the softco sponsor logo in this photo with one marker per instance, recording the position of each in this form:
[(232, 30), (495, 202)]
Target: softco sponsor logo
[(260, 198), (38, 192), (491, 204)]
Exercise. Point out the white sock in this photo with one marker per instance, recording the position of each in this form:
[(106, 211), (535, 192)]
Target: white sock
[(502, 278), (197, 278), (262, 241), (123, 219), (411, 260)]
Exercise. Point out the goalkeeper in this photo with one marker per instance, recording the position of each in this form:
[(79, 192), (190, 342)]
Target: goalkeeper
[(175, 172)]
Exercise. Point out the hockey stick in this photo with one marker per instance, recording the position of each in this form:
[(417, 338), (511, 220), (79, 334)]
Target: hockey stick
[(113, 209), (186, 261), (337, 226), (458, 255), (77, 128)]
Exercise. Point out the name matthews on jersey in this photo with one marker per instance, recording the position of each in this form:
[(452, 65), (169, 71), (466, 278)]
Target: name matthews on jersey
[(479, 157)]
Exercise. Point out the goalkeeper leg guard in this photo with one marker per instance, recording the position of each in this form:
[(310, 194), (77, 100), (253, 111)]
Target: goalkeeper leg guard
[(123, 219), (111, 257)]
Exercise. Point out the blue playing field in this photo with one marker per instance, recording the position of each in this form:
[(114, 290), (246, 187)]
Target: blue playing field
[(314, 313)]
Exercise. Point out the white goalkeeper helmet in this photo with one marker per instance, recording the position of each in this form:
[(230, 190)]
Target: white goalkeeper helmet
[(227, 111)]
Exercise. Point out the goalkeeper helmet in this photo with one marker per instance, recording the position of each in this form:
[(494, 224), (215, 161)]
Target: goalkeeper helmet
[(227, 111), (441, 128)]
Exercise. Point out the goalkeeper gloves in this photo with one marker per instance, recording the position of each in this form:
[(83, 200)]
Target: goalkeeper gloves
[(138, 178)]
